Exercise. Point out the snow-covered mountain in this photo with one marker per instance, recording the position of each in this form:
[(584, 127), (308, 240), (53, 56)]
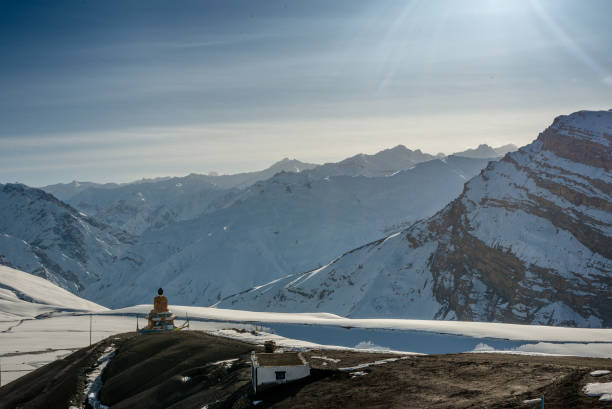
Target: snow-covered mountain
[(289, 223), (154, 203), (527, 241), (138, 206), (66, 191), (24, 295), (44, 236)]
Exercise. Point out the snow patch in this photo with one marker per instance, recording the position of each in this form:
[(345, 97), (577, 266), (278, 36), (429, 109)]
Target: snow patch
[(227, 363), (375, 363), (603, 390), (324, 358), (532, 401), (94, 379), (370, 346)]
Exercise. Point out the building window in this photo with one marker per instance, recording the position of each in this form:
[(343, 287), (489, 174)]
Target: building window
[(280, 375)]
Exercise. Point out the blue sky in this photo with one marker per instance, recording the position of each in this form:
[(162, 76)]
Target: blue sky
[(119, 90)]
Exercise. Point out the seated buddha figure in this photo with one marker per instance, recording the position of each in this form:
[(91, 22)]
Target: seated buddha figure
[(160, 302)]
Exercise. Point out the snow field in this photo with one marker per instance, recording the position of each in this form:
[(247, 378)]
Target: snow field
[(517, 332)]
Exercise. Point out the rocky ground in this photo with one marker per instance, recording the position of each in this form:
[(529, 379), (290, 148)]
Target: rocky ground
[(448, 381), (193, 370)]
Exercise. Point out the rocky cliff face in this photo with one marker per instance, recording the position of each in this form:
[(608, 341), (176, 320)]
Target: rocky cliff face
[(527, 241)]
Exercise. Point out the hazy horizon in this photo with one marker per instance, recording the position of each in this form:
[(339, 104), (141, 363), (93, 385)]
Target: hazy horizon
[(216, 173)]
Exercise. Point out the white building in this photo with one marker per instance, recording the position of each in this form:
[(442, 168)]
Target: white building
[(275, 368)]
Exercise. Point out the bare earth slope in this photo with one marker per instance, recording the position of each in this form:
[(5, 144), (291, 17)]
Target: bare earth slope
[(446, 381), (528, 241)]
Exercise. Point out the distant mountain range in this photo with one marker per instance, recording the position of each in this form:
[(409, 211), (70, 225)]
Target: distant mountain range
[(383, 163), (155, 203), (204, 237), (527, 241)]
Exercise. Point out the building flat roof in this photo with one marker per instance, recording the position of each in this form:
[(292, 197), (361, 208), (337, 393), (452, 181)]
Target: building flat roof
[(279, 359)]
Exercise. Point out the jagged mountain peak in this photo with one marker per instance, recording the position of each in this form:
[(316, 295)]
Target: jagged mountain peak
[(583, 137), (593, 126)]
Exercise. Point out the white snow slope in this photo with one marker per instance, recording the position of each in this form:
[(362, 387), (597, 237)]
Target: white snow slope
[(24, 295), (528, 241)]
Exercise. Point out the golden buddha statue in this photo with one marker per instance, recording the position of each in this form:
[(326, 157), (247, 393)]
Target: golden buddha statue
[(160, 318), (160, 302)]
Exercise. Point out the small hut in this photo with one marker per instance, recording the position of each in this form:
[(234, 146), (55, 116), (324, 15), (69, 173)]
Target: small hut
[(270, 369)]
